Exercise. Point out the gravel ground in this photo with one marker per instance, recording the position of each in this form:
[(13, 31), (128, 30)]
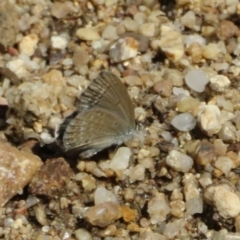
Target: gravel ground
[(180, 62)]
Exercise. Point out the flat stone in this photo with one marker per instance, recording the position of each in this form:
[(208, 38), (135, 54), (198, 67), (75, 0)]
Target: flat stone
[(51, 178)]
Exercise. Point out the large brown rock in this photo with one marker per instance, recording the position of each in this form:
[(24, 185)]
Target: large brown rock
[(16, 170)]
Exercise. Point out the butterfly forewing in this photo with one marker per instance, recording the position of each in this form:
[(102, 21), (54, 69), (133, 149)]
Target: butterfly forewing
[(107, 91)]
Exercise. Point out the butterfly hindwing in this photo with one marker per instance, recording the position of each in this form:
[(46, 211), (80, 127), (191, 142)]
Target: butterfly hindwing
[(95, 128)]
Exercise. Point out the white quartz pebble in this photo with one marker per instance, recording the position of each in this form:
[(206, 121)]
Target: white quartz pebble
[(179, 161), (196, 80), (184, 122)]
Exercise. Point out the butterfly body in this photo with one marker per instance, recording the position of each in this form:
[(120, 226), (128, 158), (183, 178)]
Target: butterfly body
[(104, 117)]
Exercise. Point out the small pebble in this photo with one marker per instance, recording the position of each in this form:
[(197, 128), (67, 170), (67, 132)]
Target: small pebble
[(121, 159), (194, 38), (175, 76), (103, 214), (224, 164), (102, 195), (211, 51), (194, 205), (110, 33), (226, 202), (178, 161), (220, 148), (147, 29), (209, 119), (80, 57), (194, 202), (59, 42), (172, 228), (164, 88), (219, 83), (235, 158), (129, 194), (149, 235), (171, 43), (227, 132), (184, 122), (140, 17), (205, 153), (87, 34), (123, 49), (9, 27), (19, 67), (187, 104), (205, 180), (28, 44), (177, 208), (88, 183), (195, 50), (158, 208), (196, 80), (237, 223), (82, 234), (62, 9), (109, 231), (189, 19), (143, 42), (109, 3), (41, 214), (128, 214), (226, 30), (133, 80), (130, 25), (137, 173)]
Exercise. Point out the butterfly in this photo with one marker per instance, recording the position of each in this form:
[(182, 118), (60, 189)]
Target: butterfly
[(104, 117)]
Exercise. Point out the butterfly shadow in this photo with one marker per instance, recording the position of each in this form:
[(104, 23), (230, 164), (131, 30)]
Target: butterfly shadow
[(54, 150)]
